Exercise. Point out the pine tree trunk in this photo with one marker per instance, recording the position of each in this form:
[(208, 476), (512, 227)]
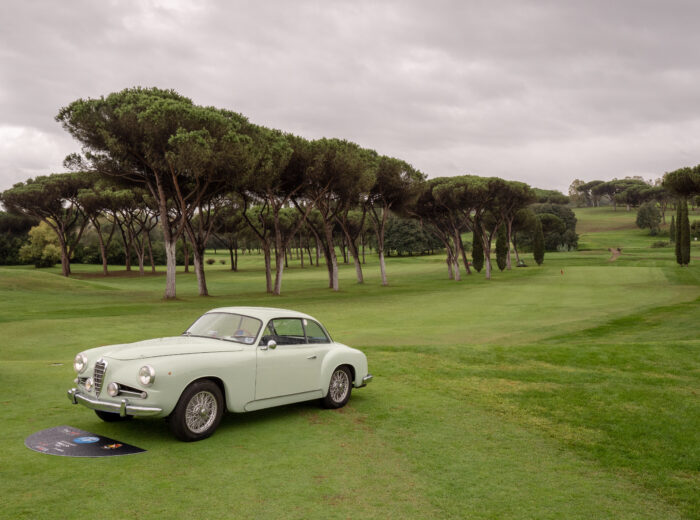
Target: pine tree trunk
[(171, 261), (301, 251), (186, 250), (333, 267), (199, 271), (509, 230), (268, 267), (150, 252), (382, 267), (460, 244), (103, 253)]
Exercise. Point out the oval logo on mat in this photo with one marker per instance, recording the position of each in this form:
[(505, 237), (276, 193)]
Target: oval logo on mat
[(86, 440)]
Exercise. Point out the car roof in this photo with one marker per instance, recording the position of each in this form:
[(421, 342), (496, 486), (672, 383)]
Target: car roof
[(263, 313)]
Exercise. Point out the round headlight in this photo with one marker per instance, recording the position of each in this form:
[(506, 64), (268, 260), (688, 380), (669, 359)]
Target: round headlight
[(113, 389), (80, 363), (89, 383), (147, 375)]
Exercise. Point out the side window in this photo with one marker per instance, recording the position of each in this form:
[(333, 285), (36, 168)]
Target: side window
[(288, 331), (315, 333)]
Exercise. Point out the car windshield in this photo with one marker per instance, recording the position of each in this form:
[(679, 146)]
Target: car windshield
[(226, 326)]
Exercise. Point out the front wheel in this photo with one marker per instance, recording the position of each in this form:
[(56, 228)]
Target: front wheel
[(339, 388), (198, 412)]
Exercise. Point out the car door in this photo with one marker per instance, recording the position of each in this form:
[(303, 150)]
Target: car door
[(293, 366)]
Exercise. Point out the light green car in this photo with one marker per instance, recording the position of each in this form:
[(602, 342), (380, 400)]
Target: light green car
[(234, 358)]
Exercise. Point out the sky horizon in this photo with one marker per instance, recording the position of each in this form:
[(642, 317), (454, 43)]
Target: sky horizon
[(540, 92)]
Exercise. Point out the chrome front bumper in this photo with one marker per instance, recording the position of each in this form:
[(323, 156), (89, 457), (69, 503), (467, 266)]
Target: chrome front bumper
[(123, 407), (365, 380)]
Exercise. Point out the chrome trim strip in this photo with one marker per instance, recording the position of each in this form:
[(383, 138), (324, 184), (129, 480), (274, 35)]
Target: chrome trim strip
[(122, 408)]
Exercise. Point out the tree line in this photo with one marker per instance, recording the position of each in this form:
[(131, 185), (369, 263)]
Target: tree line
[(151, 157), (676, 189)]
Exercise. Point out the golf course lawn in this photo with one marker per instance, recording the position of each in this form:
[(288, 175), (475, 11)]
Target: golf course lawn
[(565, 391)]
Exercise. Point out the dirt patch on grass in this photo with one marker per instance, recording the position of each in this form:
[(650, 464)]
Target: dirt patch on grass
[(615, 253)]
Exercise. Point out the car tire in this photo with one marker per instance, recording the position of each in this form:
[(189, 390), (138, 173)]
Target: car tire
[(112, 417), (339, 388), (198, 412)]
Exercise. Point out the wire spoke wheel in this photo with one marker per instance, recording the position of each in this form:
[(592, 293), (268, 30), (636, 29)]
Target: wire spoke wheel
[(340, 384), (201, 412)]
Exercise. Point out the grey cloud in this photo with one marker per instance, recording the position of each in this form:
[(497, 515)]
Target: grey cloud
[(537, 91)]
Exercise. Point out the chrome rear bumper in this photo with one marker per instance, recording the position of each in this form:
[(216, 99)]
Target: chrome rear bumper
[(365, 380), (123, 407)]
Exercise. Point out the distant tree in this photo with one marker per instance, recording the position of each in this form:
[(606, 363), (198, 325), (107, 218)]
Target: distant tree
[(550, 196), (672, 229), (229, 228), (683, 182), (501, 248), (538, 242), (13, 234), (339, 169), (695, 230), (407, 236), (43, 249), (397, 185), (523, 226), (52, 199), (587, 190), (577, 196), (615, 187), (477, 249), (514, 197), (559, 232), (649, 217), (183, 154)]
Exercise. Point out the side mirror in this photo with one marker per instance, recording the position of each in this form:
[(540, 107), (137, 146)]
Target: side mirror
[(272, 344)]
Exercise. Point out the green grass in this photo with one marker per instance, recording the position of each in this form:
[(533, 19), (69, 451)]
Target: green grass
[(564, 391)]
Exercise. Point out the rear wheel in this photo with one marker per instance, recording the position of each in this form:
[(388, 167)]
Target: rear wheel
[(112, 417), (339, 388), (198, 412)]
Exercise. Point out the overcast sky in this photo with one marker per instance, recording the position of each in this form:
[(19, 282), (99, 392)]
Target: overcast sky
[(542, 92)]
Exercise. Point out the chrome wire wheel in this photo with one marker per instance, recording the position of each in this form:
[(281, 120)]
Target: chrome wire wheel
[(201, 412), (340, 384)]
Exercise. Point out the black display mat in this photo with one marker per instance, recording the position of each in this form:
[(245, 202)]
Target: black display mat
[(74, 442)]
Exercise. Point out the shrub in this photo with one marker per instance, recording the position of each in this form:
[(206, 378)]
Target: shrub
[(211, 261), (660, 243)]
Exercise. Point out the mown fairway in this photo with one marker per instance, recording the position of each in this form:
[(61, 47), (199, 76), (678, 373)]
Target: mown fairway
[(564, 391)]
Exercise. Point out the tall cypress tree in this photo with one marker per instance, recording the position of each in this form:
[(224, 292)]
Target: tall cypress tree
[(672, 229), (501, 248), (677, 231), (538, 242), (684, 235), (477, 249)]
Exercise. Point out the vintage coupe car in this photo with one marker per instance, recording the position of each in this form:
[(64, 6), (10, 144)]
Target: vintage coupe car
[(234, 358)]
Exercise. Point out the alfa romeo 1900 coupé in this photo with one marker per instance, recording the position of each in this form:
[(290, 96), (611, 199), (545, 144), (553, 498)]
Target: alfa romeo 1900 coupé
[(232, 358)]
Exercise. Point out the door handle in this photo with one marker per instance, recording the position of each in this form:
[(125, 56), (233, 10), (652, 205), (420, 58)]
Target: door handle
[(312, 357)]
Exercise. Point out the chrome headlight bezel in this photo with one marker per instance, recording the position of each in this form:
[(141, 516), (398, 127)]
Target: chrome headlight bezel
[(80, 363), (113, 389), (147, 375)]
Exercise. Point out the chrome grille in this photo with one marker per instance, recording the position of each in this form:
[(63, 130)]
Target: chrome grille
[(100, 368)]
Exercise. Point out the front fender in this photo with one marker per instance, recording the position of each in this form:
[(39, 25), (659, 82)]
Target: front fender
[(235, 370), (343, 355)]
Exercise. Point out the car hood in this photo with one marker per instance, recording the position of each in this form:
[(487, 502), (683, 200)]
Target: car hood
[(174, 346)]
